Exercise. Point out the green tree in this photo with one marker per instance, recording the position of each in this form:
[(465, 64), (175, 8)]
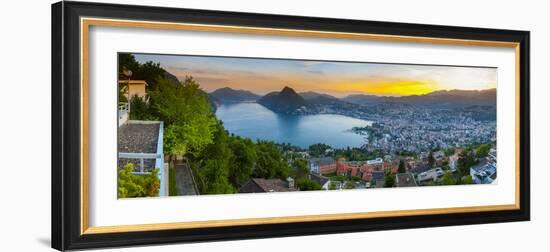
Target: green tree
[(129, 62), (212, 165), (467, 180), (173, 140), (149, 71), (270, 163), (389, 180), (131, 186), (216, 173), (449, 151), (139, 109), (185, 109), (465, 161), (431, 159), (318, 149), (332, 186), (401, 168), (308, 185), (349, 185), (448, 179), (243, 159), (483, 150), (300, 168)]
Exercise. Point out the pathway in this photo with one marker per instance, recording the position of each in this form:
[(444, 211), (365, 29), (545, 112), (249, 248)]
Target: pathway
[(184, 179)]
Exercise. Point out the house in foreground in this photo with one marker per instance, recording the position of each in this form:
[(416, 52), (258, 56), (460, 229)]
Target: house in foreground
[(132, 88), (484, 174), (141, 142), (261, 185), (321, 180), (430, 175), (377, 179), (405, 180)]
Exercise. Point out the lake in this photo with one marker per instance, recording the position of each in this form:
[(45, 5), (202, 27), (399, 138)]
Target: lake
[(255, 121)]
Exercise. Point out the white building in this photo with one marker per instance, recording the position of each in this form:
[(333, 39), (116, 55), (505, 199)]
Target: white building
[(375, 161)]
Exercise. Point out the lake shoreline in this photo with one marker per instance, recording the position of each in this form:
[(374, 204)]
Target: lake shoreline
[(254, 121)]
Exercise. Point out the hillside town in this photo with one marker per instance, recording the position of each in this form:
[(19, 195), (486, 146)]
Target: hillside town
[(426, 169), (416, 129), (170, 142)]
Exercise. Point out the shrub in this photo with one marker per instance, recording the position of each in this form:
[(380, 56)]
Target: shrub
[(132, 186)]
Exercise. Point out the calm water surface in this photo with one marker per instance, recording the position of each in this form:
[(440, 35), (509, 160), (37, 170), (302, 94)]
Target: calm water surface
[(254, 121)]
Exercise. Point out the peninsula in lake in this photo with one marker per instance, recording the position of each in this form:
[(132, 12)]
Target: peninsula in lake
[(247, 125)]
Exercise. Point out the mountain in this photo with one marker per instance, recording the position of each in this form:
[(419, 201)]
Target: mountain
[(312, 95), (229, 95), (444, 98), (286, 101), (171, 78), (315, 98), (366, 99)]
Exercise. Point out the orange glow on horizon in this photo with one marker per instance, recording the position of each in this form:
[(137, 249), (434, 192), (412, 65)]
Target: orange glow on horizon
[(388, 88)]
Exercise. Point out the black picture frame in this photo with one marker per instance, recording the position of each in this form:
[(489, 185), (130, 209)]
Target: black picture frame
[(66, 134)]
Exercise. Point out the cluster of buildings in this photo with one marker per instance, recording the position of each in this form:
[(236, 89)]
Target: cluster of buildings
[(486, 171), (333, 174), (415, 129), (371, 172)]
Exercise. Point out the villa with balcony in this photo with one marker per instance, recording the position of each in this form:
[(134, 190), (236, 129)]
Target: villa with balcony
[(141, 142)]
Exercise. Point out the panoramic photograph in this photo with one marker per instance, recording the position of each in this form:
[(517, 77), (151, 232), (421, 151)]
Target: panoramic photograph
[(201, 125)]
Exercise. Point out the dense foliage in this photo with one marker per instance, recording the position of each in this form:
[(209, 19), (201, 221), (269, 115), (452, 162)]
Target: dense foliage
[(401, 168), (308, 185), (389, 180), (483, 150), (270, 163), (220, 162), (139, 109), (150, 72), (358, 154), (130, 185), (318, 149), (186, 112), (466, 159), (300, 168), (349, 185)]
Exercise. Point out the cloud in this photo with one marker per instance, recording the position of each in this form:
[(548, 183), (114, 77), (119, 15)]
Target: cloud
[(336, 78)]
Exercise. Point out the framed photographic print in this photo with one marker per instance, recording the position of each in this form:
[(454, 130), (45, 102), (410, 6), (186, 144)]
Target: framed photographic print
[(180, 125)]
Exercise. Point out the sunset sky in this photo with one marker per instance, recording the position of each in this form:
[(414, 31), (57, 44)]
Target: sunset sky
[(262, 76)]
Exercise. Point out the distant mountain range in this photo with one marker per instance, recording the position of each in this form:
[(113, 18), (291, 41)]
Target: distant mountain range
[(315, 98), (286, 101), (229, 95), (289, 101), (444, 99)]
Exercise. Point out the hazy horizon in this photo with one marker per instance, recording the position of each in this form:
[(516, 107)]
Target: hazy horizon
[(300, 92), (339, 79)]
